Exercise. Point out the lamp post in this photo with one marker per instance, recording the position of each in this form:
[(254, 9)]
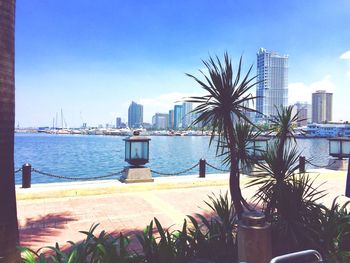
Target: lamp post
[(137, 155), (339, 148), (257, 146)]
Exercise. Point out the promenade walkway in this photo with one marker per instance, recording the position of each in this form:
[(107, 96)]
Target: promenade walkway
[(50, 213)]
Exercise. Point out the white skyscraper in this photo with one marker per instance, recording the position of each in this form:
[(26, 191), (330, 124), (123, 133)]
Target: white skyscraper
[(272, 87), (186, 114)]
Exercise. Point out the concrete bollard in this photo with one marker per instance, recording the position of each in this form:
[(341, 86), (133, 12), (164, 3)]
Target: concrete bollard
[(347, 187), (254, 238), (26, 175), (202, 164), (301, 164)]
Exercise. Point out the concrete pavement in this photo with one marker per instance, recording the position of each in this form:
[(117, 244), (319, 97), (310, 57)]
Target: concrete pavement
[(52, 213)]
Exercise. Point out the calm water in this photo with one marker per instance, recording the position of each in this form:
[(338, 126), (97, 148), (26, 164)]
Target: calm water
[(84, 156)]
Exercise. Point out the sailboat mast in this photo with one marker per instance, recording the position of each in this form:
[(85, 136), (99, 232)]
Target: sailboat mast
[(61, 119)]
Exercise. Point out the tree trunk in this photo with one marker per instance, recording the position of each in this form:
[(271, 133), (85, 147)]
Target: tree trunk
[(8, 211), (235, 189)]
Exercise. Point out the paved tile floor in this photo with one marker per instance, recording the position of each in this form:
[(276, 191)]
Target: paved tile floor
[(46, 221)]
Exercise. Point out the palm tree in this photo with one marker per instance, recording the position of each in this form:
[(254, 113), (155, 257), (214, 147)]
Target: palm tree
[(226, 103), (8, 212), (289, 199)]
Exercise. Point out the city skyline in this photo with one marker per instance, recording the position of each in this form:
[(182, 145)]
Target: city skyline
[(92, 59)]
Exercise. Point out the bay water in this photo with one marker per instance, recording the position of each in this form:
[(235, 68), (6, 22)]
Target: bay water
[(95, 155)]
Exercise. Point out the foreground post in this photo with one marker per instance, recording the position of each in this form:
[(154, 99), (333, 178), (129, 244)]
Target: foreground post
[(301, 164), (347, 188), (26, 175), (254, 238), (202, 164)]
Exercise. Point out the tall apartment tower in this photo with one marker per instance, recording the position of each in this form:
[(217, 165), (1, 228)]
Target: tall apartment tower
[(118, 122), (135, 115), (272, 87), (160, 121), (171, 119), (178, 116), (187, 114), (322, 103), (304, 113)]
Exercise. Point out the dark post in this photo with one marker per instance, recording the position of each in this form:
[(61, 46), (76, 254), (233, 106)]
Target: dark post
[(26, 175), (202, 168), (347, 188), (301, 164)]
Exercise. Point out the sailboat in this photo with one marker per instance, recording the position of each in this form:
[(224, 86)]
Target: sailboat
[(62, 130)]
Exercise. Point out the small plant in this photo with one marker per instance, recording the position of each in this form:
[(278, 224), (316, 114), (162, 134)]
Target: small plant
[(215, 238), (167, 246), (333, 232), (102, 248)]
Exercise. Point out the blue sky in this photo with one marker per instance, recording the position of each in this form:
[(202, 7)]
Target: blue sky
[(92, 58)]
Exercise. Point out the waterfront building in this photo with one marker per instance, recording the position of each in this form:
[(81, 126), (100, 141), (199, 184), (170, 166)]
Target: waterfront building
[(118, 123), (198, 125), (187, 115), (322, 103), (135, 115), (160, 121), (171, 119), (304, 113), (146, 125), (272, 87), (327, 130), (177, 117)]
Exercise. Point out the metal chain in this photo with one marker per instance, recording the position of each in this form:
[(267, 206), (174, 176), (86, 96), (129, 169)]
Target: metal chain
[(18, 170), (77, 178), (320, 166), (218, 169), (170, 174)]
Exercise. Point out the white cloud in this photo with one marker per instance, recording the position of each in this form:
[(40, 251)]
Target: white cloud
[(324, 84), (300, 91), (345, 55)]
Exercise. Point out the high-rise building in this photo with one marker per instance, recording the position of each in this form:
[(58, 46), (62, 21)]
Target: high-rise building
[(171, 119), (272, 87), (177, 116), (160, 121), (135, 115), (187, 116), (304, 113), (118, 122), (322, 103)]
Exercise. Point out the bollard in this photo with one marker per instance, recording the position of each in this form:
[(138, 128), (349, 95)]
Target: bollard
[(26, 175), (301, 164), (254, 238), (202, 164), (347, 187)]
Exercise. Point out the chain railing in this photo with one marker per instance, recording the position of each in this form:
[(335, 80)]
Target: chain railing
[(320, 166), (177, 173), (77, 178), (218, 169), (27, 169), (18, 170)]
